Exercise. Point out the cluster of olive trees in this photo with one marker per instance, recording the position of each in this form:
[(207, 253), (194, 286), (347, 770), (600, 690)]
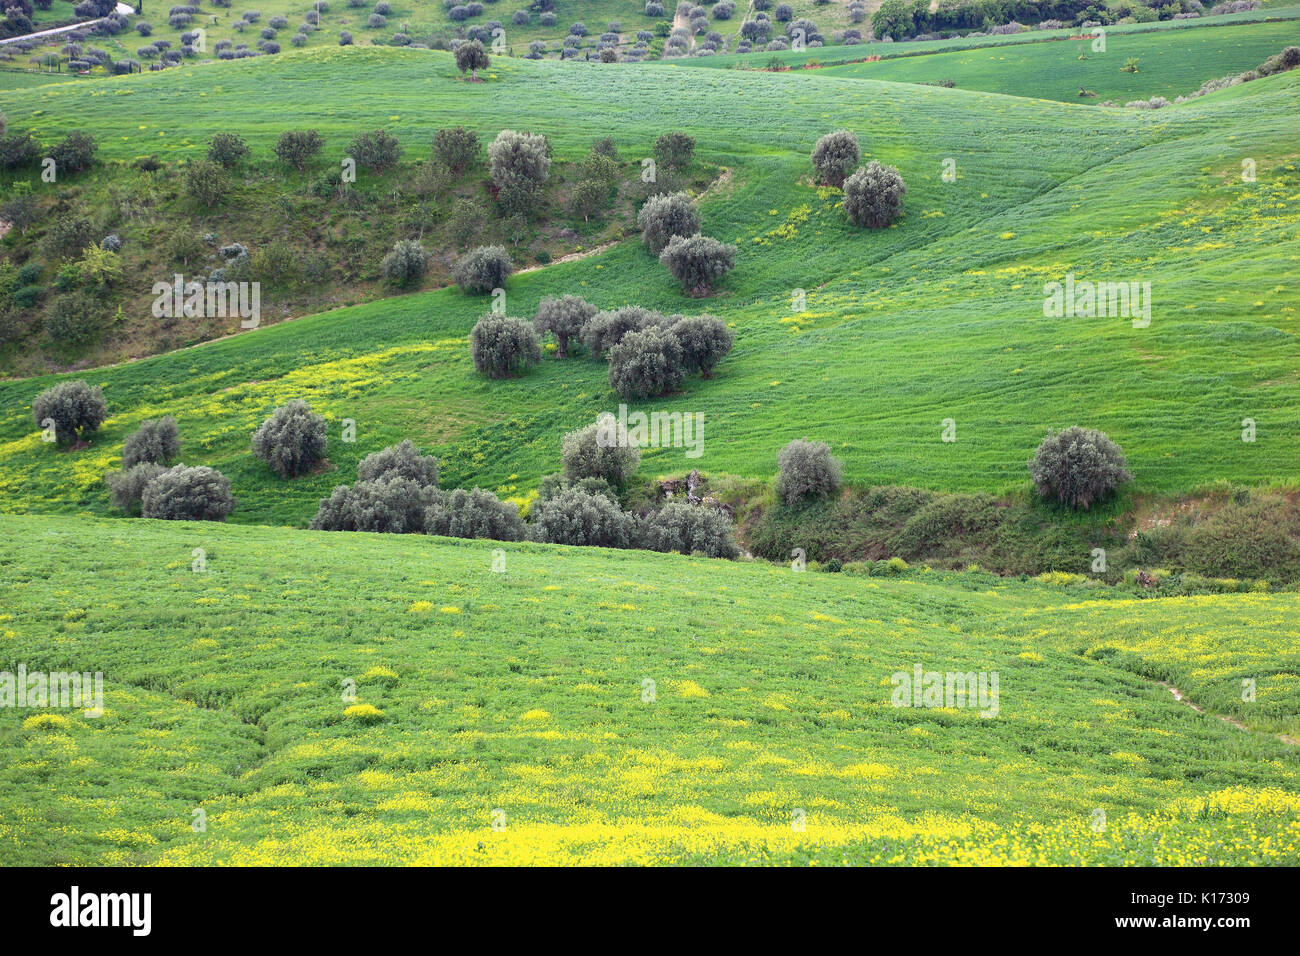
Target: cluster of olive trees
[(670, 229), (873, 194)]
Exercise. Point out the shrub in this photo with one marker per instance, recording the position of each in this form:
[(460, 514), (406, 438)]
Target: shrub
[(228, 149), (292, 440), (1244, 541), (126, 487), (807, 470), (18, 150), (456, 147), (502, 346), (563, 318), (73, 153), (521, 18), (205, 181), (406, 263), (186, 493), (665, 216), (646, 364), (688, 528), (783, 13), (606, 329), (873, 196), (75, 409), (392, 505), (471, 57), (99, 269), (400, 461), (474, 514), (144, 28), (519, 160), (157, 442), (296, 148), (377, 150), (698, 262), (483, 269), (67, 236), (375, 21), (601, 450), (705, 341), (578, 518), (74, 320), (1078, 467), (345, 39), (835, 156), (675, 150)]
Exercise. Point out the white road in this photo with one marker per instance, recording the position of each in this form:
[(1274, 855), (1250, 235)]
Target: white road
[(123, 8)]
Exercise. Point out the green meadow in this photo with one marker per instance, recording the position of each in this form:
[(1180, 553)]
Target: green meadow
[(587, 706)]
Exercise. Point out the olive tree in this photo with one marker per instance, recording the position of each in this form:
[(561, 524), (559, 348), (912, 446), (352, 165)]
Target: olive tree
[(502, 346), (456, 147), (698, 262), (392, 505), (1078, 467), (602, 450), (563, 318), (580, 518), (688, 528), (873, 196), (157, 441), (474, 514), (126, 487), (73, 409), (835, 156), (185, 493), (402, 461), (406, 262), (606, 329), (646, 364), (483, 269), (807, 470), (292, 440), (705, 342), (471, 57), (665, 216)]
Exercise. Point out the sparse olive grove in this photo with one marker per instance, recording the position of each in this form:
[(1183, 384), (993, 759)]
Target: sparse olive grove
[(873, 196)]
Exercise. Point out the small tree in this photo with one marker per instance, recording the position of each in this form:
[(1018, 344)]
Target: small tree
[(73, 153), (835, 156), (377, 150), (402, 461), (471, 57), (807, 470), (606, 329), (188, 494), (206, 182), (1078, 467), (298, 147), (688, 528), (75, 321), (675, 150), (502, 346), (391, 505), (646, 364), (74, 409), (156, 441), (483, 269), (520, 168), (873, 196), (126, 487), (456, 147), (665, 216), (698, 262), (705, 341), (602, 450), (292, 440), (564, 319), (228, 150), (406, 263), (474, 514), (578, 518)]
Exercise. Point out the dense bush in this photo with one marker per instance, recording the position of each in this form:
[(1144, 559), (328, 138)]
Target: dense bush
[(18, 150), (75, 408), (705, 341), (520, 168), (807, 470), (456, 147), (400, 461), (873, 196), (502, 346), (73, 153), (601, 450), (474, 514), (563, 318), (292, 440), (205, 182), (126, 487), (1078, 467), (698, 262), (157, 441), (1244, 541), (377, 150), (345, 39), (688, 528), (75, 320), (646, 364), (392, 505), (483, 269), (471, 57), (406, 263), (674, 150), (665, 216), (228, 149), (579, 518), (606, 329), (188, 494), (67, 236), (298, 147), (835, 156)]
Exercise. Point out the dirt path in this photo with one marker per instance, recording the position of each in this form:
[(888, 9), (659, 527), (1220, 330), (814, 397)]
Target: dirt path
[(683, 21), (1182, 699), (573, 256)]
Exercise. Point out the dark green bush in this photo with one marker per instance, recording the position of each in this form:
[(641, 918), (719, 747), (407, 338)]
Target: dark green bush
[(688, 528), (474, 514)]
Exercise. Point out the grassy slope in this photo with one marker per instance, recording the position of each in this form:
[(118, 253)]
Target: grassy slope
[(1171, 63), (940, 316), (522, 691)]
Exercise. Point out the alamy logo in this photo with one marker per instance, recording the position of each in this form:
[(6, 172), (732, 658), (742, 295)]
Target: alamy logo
[(922, 688), (208, 300), (656, 430), (1089, 300), (43, 690), (73, 909)]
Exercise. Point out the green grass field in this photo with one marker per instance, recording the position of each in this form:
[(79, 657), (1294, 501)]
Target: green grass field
[(525, 692)]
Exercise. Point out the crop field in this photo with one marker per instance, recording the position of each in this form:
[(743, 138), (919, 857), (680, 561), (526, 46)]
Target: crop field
[(524, 693), (847, 681)]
